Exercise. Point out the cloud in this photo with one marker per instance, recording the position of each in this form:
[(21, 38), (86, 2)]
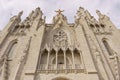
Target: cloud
[(9, 8)]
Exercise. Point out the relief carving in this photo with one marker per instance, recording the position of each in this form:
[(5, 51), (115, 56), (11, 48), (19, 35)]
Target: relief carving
[(16, 17), (102, 17), (60, 38)]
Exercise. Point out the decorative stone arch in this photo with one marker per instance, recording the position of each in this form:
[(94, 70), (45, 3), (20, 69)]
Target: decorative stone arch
[(77, 55), (61, 78), (10, 47), (68, 60), (107, 46), (104, 38), (44, 56)]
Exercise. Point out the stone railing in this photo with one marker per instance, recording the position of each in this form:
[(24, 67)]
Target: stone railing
[(60, 68)]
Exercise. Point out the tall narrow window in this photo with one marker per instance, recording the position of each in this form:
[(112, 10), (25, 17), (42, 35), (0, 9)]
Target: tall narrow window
[(11, 49), (107, 47)]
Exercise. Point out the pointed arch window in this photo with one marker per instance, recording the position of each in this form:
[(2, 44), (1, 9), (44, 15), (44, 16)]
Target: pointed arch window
[(11, 48), (108, 48)]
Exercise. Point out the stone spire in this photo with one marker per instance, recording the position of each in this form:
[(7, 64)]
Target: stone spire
[(34, 14), (17, 17)]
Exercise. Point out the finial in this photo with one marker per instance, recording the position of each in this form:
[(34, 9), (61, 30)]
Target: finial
[(59, 11), (81, 8), (97, 11), (20, 14)]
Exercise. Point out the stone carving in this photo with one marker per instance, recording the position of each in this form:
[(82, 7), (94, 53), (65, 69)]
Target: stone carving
[(16, 17), (81, 12), (60, 38), (59, 11), (90, 19), (102, 17), (36, 13), (80, 15), (20, 14), (30, 15), (59, 17)]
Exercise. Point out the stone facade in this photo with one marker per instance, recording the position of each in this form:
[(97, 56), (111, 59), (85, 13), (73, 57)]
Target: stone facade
[(87, 49)]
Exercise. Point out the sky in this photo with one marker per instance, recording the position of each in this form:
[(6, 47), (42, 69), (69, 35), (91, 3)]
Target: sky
[(9, 8)]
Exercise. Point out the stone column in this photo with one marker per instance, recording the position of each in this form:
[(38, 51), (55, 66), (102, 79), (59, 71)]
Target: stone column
[(56, 59), (81, 58), (73, 58), (48, 60), (64, 59)]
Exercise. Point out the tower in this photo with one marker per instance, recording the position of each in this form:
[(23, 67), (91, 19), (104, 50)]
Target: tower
[(87, 49)]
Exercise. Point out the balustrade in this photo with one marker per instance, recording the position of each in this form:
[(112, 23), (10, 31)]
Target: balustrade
[(60, 68)]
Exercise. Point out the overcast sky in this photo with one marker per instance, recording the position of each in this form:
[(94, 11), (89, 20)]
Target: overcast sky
[(9, 8)]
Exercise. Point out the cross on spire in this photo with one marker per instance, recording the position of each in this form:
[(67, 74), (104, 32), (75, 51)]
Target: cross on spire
[(59, 11)]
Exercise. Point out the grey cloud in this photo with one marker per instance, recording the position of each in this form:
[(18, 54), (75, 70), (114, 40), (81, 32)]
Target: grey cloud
[(8, 8)]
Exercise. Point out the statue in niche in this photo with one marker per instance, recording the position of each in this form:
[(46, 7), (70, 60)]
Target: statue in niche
[(102, 17)]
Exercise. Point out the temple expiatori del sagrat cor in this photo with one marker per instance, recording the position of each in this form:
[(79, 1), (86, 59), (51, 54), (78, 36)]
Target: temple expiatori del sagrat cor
[(87, 49)]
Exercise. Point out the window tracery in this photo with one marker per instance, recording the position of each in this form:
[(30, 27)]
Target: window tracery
[(60, 38)]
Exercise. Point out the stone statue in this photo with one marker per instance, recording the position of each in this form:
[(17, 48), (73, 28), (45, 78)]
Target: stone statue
[(36, 13), (17, 17), (80, 12), (20, 14), (101, 16), (30, 15), (90, 18)]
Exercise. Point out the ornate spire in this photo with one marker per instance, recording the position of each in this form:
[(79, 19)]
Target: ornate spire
[(20, 14)]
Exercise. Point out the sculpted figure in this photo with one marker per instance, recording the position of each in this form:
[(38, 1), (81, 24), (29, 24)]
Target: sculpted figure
[(102, 16), (37, 12), (80, 12), (17, 16), (20, 14), (30, 15)]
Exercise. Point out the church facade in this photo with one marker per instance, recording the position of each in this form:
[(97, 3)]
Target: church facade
[(87, 49)]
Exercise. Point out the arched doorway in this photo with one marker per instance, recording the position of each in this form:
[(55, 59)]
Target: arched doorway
[(60, 78)]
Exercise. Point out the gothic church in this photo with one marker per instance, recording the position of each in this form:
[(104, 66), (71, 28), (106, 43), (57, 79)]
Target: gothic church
[(87, 49)]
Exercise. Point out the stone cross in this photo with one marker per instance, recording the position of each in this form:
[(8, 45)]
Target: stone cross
[(59, 11)]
